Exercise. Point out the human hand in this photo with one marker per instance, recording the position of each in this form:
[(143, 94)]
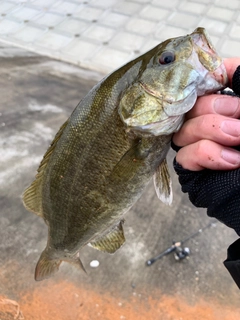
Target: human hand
[(210, 130)]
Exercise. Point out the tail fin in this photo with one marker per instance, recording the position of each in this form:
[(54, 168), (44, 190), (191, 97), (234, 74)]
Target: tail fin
[(46, 267)]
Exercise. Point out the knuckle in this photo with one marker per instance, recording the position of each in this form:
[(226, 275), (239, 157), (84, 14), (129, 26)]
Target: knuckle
[(201, 147), (206, 150)]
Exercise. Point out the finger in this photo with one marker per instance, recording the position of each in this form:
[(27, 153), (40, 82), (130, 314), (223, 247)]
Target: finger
[(207, 154), (231, 65), (216, 104), (220, 129)]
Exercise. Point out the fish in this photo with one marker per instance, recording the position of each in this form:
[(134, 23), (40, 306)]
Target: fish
[(115, 141)]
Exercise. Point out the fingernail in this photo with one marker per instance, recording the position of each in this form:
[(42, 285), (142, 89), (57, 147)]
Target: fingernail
[(231, 127), (226, 106), (231, 156)]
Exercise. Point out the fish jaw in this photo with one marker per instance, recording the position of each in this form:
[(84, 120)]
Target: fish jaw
[(209, 64)]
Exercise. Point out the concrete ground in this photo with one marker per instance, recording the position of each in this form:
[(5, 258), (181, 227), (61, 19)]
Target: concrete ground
[(37, 95)]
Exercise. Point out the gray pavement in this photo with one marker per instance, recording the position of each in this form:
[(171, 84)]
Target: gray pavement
[(103, 34)]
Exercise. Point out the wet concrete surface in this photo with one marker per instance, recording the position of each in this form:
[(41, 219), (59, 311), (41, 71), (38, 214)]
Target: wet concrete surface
[(37, 95)]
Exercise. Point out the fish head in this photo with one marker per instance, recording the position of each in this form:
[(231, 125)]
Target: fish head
[(172, 76)]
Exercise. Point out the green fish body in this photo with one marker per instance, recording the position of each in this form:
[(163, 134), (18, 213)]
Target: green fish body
[(115, 141)]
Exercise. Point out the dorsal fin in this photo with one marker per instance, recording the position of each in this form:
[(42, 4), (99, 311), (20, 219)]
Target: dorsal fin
[(32, 197)]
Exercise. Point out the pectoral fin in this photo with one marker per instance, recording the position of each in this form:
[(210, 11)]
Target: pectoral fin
[(163, 183), (110, 241)]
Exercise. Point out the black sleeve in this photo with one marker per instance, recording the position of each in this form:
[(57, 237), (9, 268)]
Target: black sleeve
[(232, 263), (218, 191)]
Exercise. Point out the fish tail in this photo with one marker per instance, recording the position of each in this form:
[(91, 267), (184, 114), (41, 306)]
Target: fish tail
[(46, 266)]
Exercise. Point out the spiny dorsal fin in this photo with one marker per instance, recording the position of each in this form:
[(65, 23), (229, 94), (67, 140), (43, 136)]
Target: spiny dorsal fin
[(32, 197), (163, 183), (110, 241)]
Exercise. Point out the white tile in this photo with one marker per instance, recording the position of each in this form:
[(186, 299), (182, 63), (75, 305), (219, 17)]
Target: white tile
[(166, 4), (183, 19), (66, 7), (230, 48), (220, 13), (235, 31), (9, 26), (53, 41), (21, 1), (233, 4), (89, 13), (213, 26), (99, 33), (109, 59), (44, 3), (73, 26), (80, 49), (26, 1), (114, 20), (205, 1), (28, 34), (166, 32), (49, 19), (6, 6), (127, 41), (151, 12), (150, 44), (141, 1), (127, 7), (141, 26), (193, 7), (25, 13), (103, 3)]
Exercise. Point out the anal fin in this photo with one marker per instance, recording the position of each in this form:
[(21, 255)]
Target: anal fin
[(110, 241), (75, 261), (163, 183)]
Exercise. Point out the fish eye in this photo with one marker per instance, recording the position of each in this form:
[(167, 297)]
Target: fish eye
[(166, 57)]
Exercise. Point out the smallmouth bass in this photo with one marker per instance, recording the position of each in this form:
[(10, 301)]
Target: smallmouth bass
[(115, 141)]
